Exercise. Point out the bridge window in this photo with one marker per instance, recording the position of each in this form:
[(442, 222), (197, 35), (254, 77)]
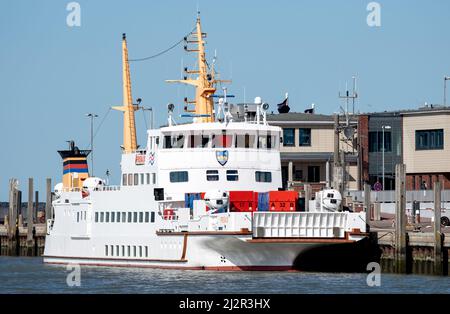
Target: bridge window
[(174, 141), (263, 176), (222, 141), (179, 176), (212, 175), (198, 141), (232, 175), (245, 141)]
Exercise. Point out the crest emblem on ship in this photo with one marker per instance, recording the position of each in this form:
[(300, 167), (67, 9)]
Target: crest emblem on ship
[(222, 157)]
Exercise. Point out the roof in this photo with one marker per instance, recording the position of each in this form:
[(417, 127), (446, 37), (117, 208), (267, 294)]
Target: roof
[(300, 117), (421, 110)]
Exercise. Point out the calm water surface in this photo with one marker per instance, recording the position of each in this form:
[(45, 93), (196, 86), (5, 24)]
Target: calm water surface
[(30, 275)]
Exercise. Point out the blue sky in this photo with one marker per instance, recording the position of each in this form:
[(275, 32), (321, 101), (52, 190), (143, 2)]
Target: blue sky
[(52, 74)]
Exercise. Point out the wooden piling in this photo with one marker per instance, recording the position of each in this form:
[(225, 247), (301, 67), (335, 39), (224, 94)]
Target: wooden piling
[(367, 205), (308, 192), (30, 216), (438, 269), (400, 218)]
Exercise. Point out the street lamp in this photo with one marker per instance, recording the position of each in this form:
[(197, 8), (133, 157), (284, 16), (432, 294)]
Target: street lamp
[(387, 127), (446, 78), (92, 116)]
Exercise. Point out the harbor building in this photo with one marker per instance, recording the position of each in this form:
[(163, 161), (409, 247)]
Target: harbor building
[(307, 150), (419, 138)]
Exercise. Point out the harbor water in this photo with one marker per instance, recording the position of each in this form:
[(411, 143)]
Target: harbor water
[(30, 275)]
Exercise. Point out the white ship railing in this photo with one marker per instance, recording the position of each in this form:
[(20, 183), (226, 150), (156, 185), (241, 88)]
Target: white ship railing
[(389, 196), (102, 188), (299, 224)]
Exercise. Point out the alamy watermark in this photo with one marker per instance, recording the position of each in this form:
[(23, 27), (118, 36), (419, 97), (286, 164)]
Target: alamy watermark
[(374, 16), (73, 279), (74, 17), (374, 277)]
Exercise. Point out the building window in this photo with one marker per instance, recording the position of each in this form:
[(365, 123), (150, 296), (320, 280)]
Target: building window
[(179, 176), (232, 175), (304, 137), (263, 176), (288, 137), (212, 175), (152, 217), (313, 174), (376, 142), (298, 175), (147, 216), (124, 179), (430, 139)]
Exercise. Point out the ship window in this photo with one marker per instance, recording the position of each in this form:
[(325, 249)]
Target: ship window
[(266, 141), (146, 251), (135, 216), (167, 141), (136, 179), (102, 216), (195, 141), (117, 250), (178, 141), (124, 217), (106, 250), (96, 217), (152, 217), (147, 216), (153, 178), (113, 217), (107, 217), (129, 216), (221, 141), (118, 216), (148, 178), (134, 250), (141, 217), (212, 175), (123, 250), (140, 251), (232, 175), (142, 178), (78, 216), (179, 176), (244, 141), (129, 250), (130, 179), (112, 250), (262, 176), (124, 179)]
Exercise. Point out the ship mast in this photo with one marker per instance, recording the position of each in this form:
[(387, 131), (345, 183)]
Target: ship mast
[(129, 126), (205, 81)]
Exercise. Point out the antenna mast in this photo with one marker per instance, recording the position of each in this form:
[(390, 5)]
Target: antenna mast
[(129, 126)]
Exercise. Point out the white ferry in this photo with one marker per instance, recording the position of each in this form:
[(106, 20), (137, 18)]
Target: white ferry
[(200, 195)]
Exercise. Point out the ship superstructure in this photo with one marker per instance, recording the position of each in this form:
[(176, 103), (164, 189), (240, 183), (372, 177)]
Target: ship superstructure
[(199, 195)]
